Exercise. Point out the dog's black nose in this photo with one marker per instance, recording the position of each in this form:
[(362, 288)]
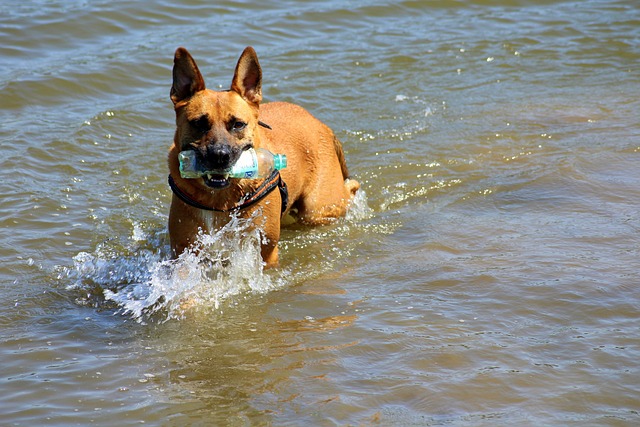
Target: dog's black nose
[(219, 156)]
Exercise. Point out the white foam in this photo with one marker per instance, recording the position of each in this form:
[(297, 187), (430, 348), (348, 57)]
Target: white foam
[(222, 264)]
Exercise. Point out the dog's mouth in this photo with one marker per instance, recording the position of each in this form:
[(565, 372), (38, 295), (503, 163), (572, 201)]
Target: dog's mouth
[(216, 181)]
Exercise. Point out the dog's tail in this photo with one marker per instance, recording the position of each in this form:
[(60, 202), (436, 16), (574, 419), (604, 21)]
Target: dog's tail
[(340, 152)]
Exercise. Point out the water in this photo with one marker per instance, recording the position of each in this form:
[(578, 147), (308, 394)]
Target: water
[(487, 277)]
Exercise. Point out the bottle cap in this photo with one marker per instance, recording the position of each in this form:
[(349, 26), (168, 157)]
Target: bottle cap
[(279, 161)]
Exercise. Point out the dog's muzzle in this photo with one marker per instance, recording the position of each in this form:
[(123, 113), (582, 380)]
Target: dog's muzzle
[(219, 158)]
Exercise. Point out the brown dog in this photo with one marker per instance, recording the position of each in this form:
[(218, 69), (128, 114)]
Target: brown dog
[(219, 126)]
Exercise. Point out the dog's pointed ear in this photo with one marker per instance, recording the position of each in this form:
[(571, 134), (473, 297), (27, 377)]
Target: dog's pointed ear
[(187, 79), (247, 79)]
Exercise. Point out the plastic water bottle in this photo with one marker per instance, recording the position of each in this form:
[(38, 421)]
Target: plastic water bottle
[(252, 164)]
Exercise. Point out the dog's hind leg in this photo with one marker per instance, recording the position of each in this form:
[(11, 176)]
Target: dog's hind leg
[(327, 206)]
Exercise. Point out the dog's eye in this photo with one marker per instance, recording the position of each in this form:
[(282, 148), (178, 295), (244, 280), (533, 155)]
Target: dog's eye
[(238, 125), (201, 124)]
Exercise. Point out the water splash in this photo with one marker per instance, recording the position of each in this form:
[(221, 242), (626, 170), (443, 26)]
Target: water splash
[(359, 209), (145, 284), (137, 278)]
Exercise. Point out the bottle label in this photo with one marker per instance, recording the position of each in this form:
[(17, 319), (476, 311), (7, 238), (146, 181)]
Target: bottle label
[(246, 166)]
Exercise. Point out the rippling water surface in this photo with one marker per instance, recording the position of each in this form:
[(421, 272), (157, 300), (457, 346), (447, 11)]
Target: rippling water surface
[(487, 275)]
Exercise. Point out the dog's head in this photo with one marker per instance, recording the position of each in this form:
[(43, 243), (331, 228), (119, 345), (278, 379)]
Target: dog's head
[(218, 126)]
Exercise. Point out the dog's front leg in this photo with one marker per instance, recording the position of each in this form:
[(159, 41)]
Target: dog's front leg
[(184, 223), (270, 255), (268, 220)]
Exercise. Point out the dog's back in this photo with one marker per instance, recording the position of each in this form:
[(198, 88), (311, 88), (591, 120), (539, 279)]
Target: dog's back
[(310, 146)]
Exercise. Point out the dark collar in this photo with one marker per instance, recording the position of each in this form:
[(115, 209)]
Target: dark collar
[(268, 185)]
